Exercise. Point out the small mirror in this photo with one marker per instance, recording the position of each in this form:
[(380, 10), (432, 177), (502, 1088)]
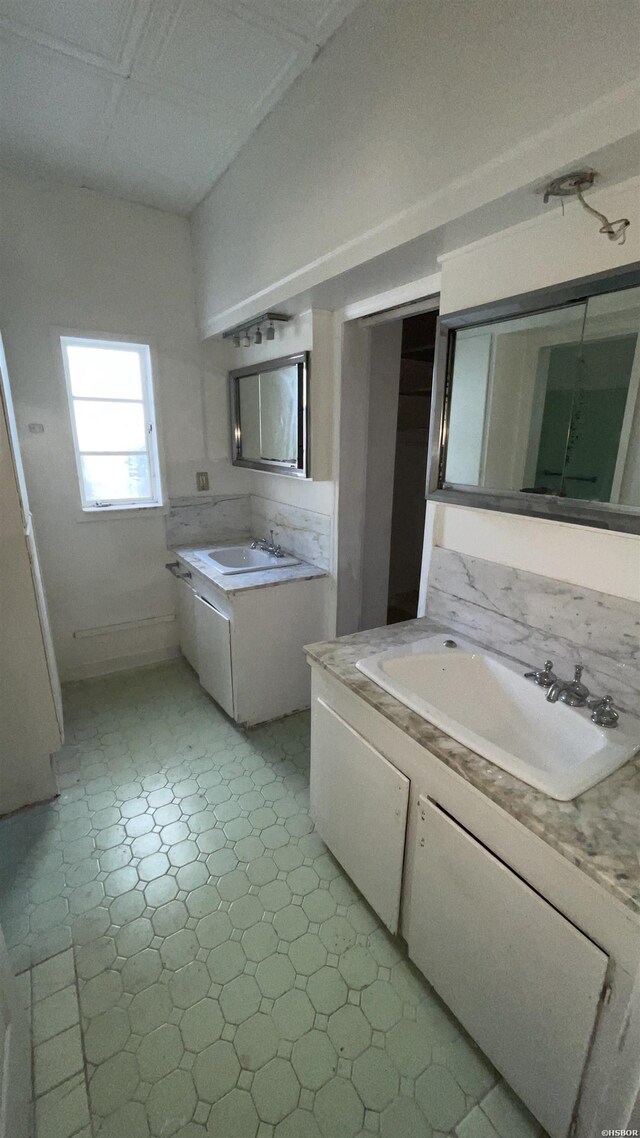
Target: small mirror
[(548, 404), (269, 416)]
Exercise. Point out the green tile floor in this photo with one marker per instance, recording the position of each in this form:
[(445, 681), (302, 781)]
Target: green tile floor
[(195, 960)]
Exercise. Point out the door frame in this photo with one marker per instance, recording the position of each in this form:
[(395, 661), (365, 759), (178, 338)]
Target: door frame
[(356, 542)]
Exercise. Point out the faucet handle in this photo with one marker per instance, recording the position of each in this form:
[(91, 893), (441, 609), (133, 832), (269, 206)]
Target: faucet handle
[(603, 713), (544, 677), (577, 686)]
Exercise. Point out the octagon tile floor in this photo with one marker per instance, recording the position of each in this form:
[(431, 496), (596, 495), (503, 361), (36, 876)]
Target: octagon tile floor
[(196, 962)]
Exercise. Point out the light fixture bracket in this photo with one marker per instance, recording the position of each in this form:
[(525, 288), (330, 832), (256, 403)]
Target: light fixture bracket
[(263, 318), (573, 185), (569, 185)]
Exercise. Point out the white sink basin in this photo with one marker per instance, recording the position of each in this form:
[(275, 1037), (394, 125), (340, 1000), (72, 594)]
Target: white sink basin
[(484, 701), (243, 559)]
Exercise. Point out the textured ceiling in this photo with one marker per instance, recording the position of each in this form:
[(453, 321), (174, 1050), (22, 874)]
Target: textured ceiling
[(148, 99)]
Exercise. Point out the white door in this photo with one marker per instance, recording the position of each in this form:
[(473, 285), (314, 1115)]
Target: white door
[(214, 653), (30, 728), (359, 805), (519, 976), (186, 613), (15, 1059), (30, 540)]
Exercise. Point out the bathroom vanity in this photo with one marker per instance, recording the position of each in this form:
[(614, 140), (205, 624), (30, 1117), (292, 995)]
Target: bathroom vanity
[(243, 629), (523, 912)]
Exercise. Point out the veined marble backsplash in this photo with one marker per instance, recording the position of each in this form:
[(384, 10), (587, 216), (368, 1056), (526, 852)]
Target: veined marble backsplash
[(238, 517), (535, 618), (208, 518), (305, 533)]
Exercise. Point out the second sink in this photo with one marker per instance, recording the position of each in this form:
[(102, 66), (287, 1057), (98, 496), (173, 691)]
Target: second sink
[(484, 701), (243, 559)]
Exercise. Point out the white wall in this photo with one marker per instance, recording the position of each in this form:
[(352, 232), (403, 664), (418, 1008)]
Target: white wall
[(548, 251), (384, 382), (78, 260), (415, 113), (352, 431)]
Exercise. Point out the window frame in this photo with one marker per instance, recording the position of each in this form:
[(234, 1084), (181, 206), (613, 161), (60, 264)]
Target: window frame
[(152, 450)]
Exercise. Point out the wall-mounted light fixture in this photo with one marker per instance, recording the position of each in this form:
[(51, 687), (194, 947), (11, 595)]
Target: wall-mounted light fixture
[(242, 333), (574, 185)]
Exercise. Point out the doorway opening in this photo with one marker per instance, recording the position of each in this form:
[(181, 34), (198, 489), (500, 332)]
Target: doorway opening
[(385, 404), (410, 466)]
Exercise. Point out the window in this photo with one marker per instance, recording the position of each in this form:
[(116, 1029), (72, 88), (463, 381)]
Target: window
[(110, 391)]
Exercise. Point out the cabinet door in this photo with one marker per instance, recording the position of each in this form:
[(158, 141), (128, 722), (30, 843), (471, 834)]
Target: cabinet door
[(522, 979), (359, 805), (214, 653), (186, 613)]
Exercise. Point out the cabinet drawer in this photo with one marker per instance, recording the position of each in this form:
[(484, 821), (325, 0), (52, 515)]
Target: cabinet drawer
[(359, 805), (214, 653), (522, 979)]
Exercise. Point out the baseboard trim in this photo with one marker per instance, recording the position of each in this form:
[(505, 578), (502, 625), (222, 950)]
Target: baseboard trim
[(93, 668), (125, 626)]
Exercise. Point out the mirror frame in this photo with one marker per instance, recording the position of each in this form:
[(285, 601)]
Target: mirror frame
[(601, 515), (301, 468)]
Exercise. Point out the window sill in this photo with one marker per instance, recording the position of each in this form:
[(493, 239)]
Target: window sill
[(121, 513)]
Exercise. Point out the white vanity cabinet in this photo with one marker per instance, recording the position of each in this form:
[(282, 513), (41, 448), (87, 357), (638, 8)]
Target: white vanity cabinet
[(359, 805), (523, 981), (247, 645), (538, 962)]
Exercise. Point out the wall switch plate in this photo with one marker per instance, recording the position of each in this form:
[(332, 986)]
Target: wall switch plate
[(202, 480)]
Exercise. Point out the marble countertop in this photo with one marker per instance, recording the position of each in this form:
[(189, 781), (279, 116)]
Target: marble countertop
[(238, 582), (599, 832)]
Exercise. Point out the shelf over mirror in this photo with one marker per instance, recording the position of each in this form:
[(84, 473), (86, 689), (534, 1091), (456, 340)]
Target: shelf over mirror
[(538, 404)]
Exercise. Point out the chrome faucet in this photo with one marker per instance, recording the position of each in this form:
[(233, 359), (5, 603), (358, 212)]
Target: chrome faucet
[(572, 692), (268, 546)]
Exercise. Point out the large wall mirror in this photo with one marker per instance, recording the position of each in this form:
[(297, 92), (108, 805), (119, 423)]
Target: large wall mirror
[(541, 410), (269, 416)]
